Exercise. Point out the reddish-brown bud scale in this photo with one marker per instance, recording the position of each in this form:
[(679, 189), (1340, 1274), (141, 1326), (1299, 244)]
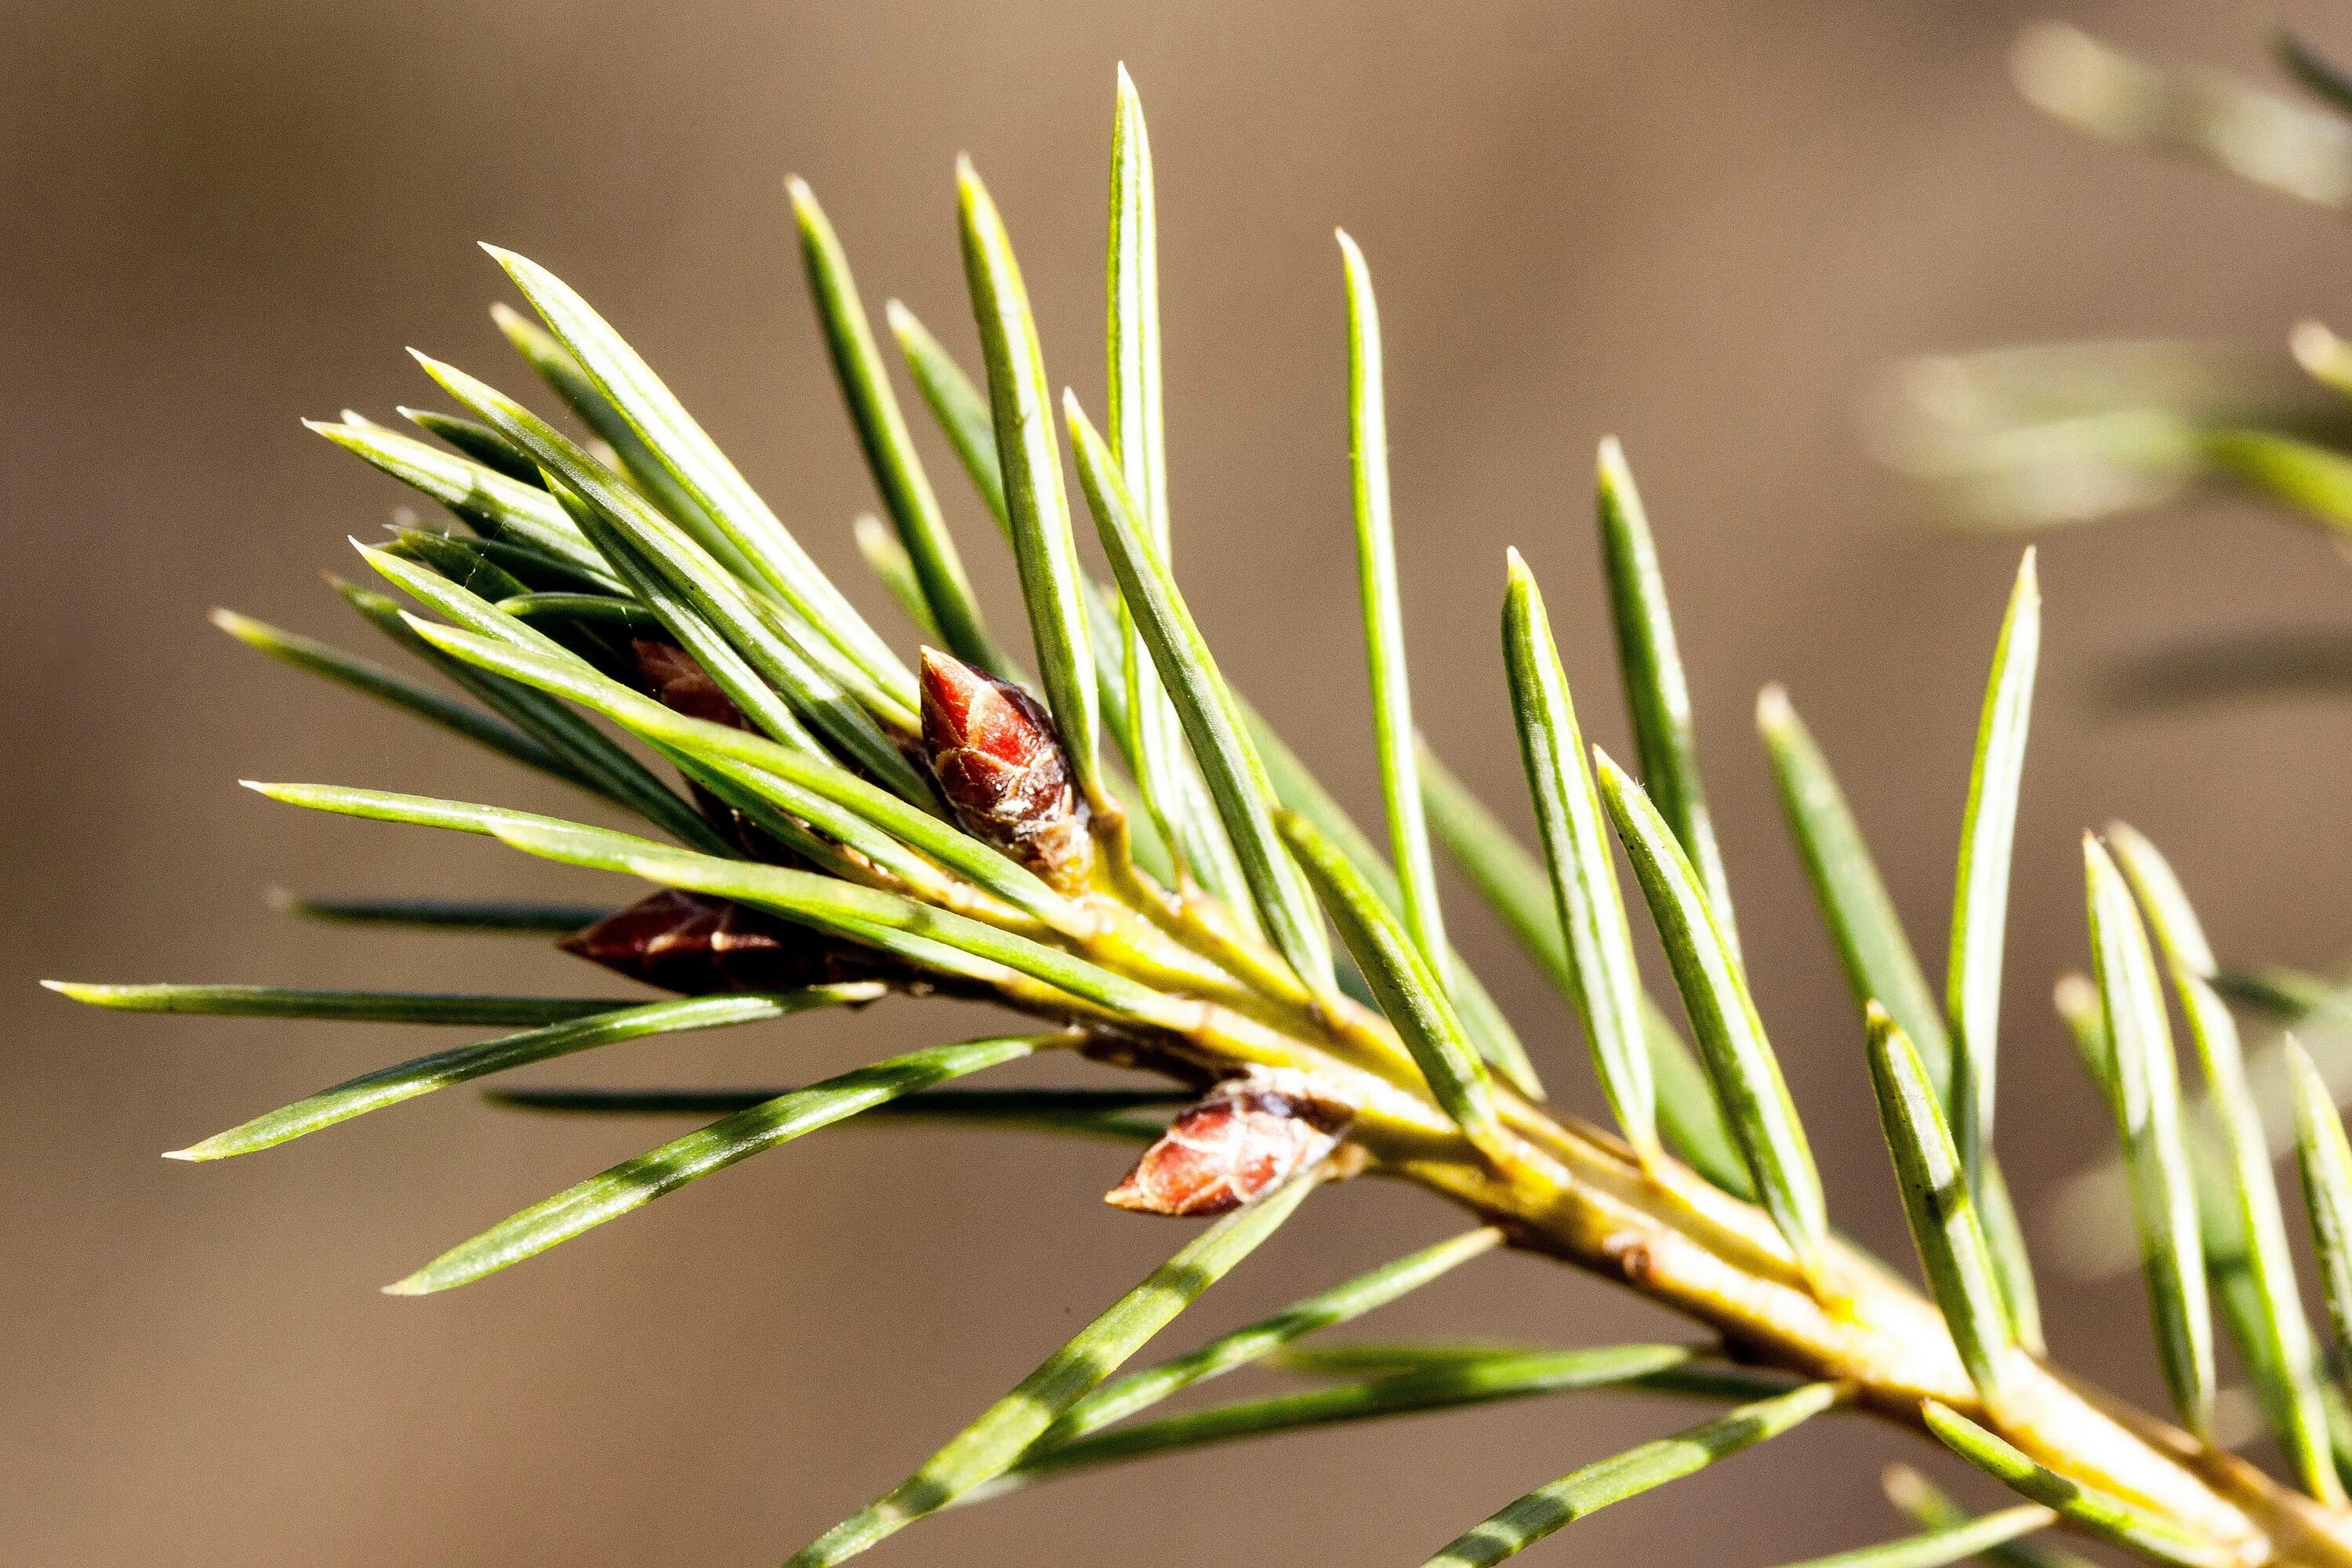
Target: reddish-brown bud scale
[(696, 945), (1242, 1140), (1000, 762), (671, 675)]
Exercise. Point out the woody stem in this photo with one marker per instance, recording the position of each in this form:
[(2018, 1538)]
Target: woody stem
[(1576, 1196)]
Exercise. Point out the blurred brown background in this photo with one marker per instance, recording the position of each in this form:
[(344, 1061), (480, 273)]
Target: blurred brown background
[(1700, 226)]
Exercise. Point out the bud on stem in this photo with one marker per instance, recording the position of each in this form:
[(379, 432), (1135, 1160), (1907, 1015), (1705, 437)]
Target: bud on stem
[(696, 945), (1242, 1140), (1000, 762), (672, 677)]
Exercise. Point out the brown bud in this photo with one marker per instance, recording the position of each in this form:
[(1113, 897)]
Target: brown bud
[(1242, 1140), (1001, 764), (696, 945), (671, 675)]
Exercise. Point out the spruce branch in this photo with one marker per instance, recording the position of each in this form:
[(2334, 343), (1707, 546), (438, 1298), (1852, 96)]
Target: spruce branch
[(856, 820)]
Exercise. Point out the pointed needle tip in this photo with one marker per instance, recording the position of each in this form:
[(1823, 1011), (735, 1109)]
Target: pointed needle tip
[(188, 1154)]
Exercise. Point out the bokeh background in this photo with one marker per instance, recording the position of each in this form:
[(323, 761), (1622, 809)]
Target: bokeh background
[(1699, 226)]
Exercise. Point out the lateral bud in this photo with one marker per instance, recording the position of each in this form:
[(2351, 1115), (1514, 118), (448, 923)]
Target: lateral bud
[(1239, 1141), (696, 945), (1000, 762), (677, 680), (678, 683)]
